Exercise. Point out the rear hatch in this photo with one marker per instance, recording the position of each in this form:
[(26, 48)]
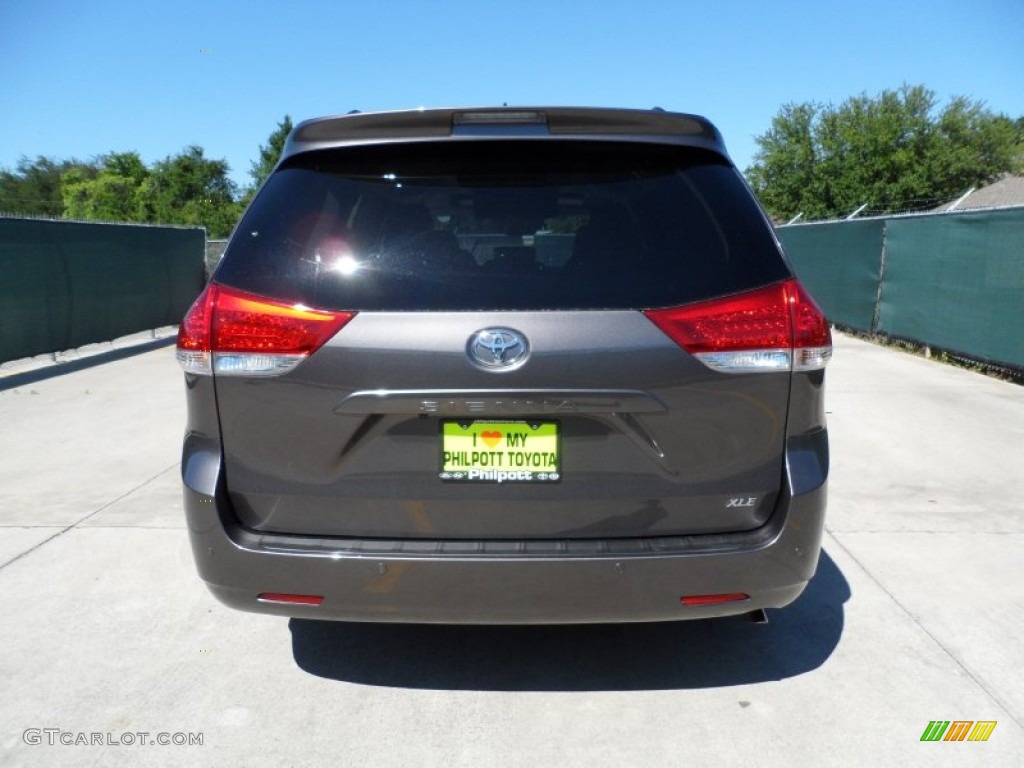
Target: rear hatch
[(510, 340)]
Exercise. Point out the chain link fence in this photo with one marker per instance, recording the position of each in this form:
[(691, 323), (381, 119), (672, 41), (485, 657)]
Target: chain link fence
[(214, 252), (67, 284), (949, 281)]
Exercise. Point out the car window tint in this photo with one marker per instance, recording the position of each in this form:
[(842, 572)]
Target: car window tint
[(502, 226)]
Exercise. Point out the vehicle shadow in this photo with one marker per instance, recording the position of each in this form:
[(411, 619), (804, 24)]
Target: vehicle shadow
[(604, 657), (12, 380)]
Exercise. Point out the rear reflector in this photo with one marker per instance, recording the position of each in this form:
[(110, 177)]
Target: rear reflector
[(284, 597), (730, 597), (775, 328), (234, 333)]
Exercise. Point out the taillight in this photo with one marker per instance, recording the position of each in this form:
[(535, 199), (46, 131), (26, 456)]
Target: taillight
[(234, 333), (812, 339), (775, 328)]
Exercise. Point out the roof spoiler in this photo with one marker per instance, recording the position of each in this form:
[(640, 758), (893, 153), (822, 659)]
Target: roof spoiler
[(504, 122)]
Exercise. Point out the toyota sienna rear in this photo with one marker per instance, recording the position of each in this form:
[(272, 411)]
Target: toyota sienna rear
[(505, 366)]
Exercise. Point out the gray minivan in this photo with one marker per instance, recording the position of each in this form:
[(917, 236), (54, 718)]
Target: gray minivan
[(532, 365)]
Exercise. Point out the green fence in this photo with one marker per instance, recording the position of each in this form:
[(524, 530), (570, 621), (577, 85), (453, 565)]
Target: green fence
[(953, 281), (65, 284)]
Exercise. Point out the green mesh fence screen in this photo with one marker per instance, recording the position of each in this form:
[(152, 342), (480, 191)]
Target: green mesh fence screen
[(954, 281), (957, 282), (66, 284), (839, 266)]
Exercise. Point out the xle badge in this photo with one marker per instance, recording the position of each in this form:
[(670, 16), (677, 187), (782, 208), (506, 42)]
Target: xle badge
[(743, 502)]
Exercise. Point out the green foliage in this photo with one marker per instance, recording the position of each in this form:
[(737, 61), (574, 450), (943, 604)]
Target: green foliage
[(186, 188), (565, 225), (111, 194), (1018, 144), (269, 155), (786, 169), (189, 188), (34, 187), (895, 152)]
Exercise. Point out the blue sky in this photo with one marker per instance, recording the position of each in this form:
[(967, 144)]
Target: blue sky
[(81, 79)]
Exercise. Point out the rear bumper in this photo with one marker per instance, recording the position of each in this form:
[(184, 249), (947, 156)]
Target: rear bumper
[(620, 580)]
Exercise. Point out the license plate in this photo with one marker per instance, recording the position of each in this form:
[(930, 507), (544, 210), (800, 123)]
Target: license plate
[(500, 452)]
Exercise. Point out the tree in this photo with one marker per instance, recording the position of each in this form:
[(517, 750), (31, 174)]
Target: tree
[(969, 138), (895, 152), (1018, 144), (34, 187), (189, 188), (269, 155), (788, 159), (112, 194)]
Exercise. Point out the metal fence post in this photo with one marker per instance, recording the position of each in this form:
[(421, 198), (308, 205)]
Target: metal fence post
[(876, 315)]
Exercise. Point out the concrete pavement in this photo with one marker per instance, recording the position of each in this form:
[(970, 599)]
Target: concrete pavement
[(916, 614)]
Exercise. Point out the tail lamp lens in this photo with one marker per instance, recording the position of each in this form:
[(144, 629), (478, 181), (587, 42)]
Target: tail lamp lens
[(235, 333), (774, 328)]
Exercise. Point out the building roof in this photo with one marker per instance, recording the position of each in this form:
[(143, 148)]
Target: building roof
[(1009, 190)]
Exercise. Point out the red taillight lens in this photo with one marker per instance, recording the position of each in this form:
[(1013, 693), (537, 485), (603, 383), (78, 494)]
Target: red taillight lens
[(194, 331), (755, 320), (812, 339), (753, 331), (233, 332), (244, 322)]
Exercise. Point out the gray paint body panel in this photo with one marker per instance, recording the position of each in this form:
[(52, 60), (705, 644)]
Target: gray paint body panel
[(306, 454), (559, 581)]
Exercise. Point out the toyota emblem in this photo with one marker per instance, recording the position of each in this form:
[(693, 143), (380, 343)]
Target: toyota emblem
[(498, 349)]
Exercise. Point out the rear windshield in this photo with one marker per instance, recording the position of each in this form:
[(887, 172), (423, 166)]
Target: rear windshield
[(483, 225)]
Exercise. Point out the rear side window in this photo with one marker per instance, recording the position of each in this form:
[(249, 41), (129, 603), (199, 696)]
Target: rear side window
[(527, 225)]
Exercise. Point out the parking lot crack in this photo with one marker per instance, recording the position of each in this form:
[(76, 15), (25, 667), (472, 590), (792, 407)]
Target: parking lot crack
[(1004, 705), (89, 516)]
